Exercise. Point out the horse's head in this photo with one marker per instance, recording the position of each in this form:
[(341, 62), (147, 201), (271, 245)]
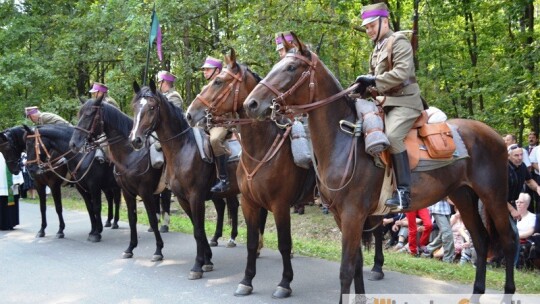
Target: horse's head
[(223, 94), (290, 82), (90, 125), (11, 155), (145, 104)]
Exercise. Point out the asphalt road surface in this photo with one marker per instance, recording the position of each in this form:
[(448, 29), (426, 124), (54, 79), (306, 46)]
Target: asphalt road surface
[(73, 270)]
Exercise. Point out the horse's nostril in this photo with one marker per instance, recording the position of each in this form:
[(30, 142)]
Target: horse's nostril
[(253, 104), (188, 117)]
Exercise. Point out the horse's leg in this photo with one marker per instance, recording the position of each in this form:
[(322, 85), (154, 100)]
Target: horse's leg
[(467, 203), (165, 199), (283, 225), (88, 203), (203, 260), (131, 205), (252, 214), (57, 197), (378, 260), (232, 208), (219, 203), (117, 197), (352, 222), (42, 208), (109, 196), (150, 203), (263, 215), (95, 200)]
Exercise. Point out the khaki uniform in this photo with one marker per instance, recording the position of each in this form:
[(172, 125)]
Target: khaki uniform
[(403, 106), (46, 118), (175, 98), (111, 101)]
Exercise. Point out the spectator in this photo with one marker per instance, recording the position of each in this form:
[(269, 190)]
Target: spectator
[(441, 213), (28, 186), (423, 214), (9, 196), (389, 221), (401, 227), (510, 139), (533, 142), (526, 225), (534, 157)]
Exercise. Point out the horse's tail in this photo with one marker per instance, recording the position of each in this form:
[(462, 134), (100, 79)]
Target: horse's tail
[(494, 243), (372, 223)]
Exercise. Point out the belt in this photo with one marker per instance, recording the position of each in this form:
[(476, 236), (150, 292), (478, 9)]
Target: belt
[(401, 86)]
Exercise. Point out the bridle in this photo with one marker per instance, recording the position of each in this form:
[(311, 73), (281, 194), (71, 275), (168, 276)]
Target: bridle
[(279, 105)]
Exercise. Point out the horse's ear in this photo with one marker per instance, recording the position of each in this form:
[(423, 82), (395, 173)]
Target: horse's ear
[(28, 129), (153, 86), (302, 49), (82, 100), (136, 87), (230, 59)]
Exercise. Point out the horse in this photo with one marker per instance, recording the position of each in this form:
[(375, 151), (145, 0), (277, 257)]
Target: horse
[(189, 176), (260, 177), (12, 144), (47, 149), (302, 83)]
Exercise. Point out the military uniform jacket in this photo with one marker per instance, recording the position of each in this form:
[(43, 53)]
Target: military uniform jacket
[(387, 80), (175, 98), (111, 101), (50, 119)]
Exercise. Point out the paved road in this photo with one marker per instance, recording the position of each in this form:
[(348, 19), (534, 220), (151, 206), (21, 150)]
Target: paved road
[(73, 270)]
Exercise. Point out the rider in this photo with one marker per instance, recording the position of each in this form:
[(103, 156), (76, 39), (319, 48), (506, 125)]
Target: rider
[(43, 118), (98, 90), (394, 83), (211, 68), (166, 86), (280, 46)]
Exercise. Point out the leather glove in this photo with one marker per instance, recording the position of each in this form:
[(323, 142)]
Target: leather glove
[(364, 82)]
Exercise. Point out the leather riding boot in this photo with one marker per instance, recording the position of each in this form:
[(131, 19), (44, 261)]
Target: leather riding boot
[(401, 198), (223, 184)]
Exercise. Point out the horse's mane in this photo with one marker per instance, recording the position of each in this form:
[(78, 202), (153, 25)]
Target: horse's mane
[(16, 137), (116, 118), (60, 134), (257, 77)]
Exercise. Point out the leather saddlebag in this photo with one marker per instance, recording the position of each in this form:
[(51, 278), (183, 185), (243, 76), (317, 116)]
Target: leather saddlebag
[(438, 140)]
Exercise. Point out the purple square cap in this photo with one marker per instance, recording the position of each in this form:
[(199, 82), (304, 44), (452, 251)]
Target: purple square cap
[(212, 63), (164, 75), (279, 40), (98, 87), (373, 12), (31, 110)]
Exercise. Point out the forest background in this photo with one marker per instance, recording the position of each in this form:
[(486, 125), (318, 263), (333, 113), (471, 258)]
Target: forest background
[(476, 59)]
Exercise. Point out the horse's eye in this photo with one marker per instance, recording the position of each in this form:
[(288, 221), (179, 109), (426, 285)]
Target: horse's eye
[(291, 68), (217, 82), (152, 108)]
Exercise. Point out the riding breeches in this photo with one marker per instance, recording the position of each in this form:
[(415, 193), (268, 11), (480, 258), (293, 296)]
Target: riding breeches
[(217, 140), (398, 122)]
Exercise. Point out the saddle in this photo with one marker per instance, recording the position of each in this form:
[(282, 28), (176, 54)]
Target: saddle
[(205, 149), (427, 141)]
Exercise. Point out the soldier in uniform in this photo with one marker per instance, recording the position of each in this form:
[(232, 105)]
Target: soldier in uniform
[(98, 90), (211, 68), (43, 118), (166, 87), (392, 77)]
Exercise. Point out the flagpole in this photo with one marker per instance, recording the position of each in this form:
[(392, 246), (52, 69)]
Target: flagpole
[(148, 48)]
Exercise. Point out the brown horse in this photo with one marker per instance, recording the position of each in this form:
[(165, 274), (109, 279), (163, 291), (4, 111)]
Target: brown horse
[(133, 171), (189, 177), (353, 191), (260, 177)]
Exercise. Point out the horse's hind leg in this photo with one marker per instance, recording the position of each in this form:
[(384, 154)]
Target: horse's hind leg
[(165, 202), (109, 196), (117, 195), (351, 257), (57, 197), (42, 208), (378, 260), (219, 203), (150, 202), (282, 218), (263, 215), (131, 205), (232, 208)]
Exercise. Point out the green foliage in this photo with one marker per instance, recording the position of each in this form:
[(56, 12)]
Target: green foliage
[(478, 59)]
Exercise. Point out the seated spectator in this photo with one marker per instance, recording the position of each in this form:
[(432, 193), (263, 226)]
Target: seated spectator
[(401, 227), (526, 225), (424, 215), (388, 223), (441, 213)]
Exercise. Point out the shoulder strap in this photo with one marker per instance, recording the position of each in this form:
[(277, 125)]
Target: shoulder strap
[(389, 46)]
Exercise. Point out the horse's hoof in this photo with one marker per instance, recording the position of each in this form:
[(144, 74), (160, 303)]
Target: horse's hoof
[(157, 257), (231, 243), (208, 268), (94, 238), (107, 224), (258, 253), (281, 293), (127, 255), (150, 229), (213, 243), (376, 276), (243, 290), (164, 229), (195, 275), (60, 235), (40, 234), (115, 226)]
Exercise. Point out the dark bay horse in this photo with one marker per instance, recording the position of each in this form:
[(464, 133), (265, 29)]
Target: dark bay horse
[(12, 144), (189, 176), (47, 149), (301, 82), (260, 178)]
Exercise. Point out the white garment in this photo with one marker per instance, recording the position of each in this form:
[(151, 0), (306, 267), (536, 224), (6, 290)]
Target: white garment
[(527, 221), (526, 160), (17, 179), (534, 157)]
